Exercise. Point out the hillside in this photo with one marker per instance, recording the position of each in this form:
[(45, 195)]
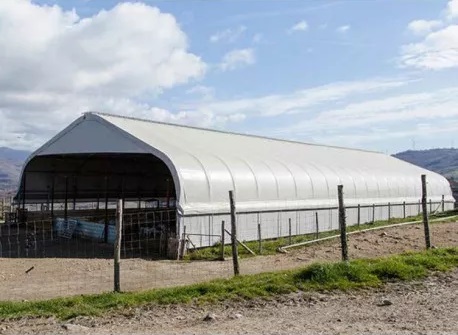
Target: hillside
[(443, 161), (10, 168)]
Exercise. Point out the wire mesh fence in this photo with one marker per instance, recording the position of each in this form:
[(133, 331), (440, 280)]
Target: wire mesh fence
[(72, 252)]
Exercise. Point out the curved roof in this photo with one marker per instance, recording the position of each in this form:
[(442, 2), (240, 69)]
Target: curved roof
[(265, 173)]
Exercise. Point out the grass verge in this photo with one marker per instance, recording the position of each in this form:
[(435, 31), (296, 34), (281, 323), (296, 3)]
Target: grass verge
[(270, 247), (319, 276)]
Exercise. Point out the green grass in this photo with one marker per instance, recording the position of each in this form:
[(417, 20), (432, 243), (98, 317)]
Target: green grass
[(270, 247), (319, 276)]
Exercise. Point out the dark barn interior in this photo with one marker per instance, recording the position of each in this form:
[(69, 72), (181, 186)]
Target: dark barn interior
[(73, 197)]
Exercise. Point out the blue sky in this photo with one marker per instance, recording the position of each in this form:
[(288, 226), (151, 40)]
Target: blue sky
[(377, 75)]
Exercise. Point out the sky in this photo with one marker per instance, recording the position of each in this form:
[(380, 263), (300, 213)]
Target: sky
[(375, 75)]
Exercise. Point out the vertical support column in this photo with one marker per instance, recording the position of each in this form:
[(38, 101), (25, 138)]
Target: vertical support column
[(404, 209), (117, 246), (66, 199), (24, 185), (52, 197), (425, 211), (105, 230), (443, 203), (342, 224), (74, 191), (235, 255)]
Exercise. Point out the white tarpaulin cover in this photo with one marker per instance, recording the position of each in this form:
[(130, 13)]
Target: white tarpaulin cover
[(265, 173)]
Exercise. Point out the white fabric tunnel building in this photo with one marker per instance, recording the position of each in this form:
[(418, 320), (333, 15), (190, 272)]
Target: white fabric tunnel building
[(277, 184)]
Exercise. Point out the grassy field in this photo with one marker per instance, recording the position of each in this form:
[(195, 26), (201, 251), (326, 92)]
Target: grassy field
[(327, 276), (270, 247)]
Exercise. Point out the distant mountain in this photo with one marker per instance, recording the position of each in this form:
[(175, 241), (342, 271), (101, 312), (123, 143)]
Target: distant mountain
[(13, 155), (443, 161), (11, 162)]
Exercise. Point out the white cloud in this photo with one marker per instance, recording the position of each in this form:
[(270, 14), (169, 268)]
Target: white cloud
[(297, 102), (343, 29), (202, 91), (237, 58), (395, 108), (452, 9), (423, 27), (228, 35), (439, 50), (55, 65), (300, 26)]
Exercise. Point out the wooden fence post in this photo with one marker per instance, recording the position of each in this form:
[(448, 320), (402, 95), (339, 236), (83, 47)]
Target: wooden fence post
[(235, 254), (317, 232), (259, 238), (389, 212), (359, 215), (289, 231), (223, 234), (425, 211), (373, 213), (117, 247), (342, 224)]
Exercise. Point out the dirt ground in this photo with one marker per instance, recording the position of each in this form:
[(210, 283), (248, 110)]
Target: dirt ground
[(53, 277), (423, 307)]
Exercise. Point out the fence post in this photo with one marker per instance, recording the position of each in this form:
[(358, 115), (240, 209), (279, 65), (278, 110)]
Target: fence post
[(259, 238), (289, 231), (404, 209), (317, 226), (373, 213), (359, 215), (183, 243), (235, 254), (223, 233), (117, 247), (389, 212), (443, 203), (430, 206), (342, 224), (425, 211)]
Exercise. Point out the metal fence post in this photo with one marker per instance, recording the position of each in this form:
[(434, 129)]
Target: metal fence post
[(404, 209), (443, 203), (425, 211)]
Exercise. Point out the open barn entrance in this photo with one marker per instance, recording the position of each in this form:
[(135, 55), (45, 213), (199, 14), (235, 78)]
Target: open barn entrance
[(72, 198)]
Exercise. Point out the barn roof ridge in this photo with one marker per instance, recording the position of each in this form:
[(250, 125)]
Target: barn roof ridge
[(226, 132)]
